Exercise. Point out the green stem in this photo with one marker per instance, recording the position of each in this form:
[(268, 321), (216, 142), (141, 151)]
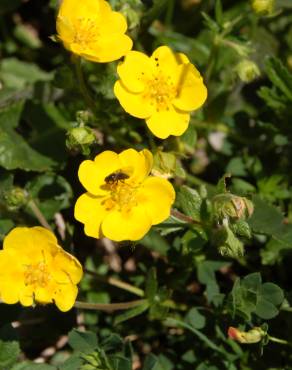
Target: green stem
[(169, 12), (109, 307), (211, 60), (278, 340), (38, 214), (183, 217), (82, 84), (117, 283)]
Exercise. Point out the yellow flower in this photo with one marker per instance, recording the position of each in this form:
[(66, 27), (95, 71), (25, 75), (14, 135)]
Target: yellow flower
[(122, 201), (91, 29), (163, 89), (34, 268)]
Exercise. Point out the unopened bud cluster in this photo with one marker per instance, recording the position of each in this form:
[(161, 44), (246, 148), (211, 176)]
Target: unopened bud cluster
[(247, 70), (265, 7), (15, 198), (230, 206)]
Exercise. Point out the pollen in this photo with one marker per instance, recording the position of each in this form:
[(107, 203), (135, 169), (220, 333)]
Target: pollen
[(161, 91), (122, 197), (37, 275), (86, 31)]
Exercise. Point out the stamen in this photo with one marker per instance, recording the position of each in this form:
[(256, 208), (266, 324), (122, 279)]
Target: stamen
[(160, 91), (37, 275)]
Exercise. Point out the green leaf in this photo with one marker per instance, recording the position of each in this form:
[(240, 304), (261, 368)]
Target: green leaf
[(133, 312), (155, 242), (120, 363), (112, 343), (14, 151), (272, 293), (9, 352), (265, 309), (17, 74), (249, 296), (82, 341), (280, 76), (74, 362), (195, 318), (190, 202)]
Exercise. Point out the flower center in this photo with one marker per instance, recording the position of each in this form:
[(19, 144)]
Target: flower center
[(122, 196), (160, 91), (37, 275), (86, 31)]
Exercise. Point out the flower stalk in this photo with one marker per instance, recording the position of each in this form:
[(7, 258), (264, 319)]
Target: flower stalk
[(82, 84), (117, 283), (109, 307)]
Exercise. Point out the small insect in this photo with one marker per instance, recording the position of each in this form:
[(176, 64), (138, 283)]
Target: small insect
[(114, 177)]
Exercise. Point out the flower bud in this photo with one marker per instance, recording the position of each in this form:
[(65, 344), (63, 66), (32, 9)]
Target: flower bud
[(247, 70), (231, 206), (81, 137), (263, 6), (15, 198), (254, 335)]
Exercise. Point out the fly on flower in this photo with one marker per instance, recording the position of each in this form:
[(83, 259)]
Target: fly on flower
[(92, 30), (122, 201), (35, 269), (162, 89)]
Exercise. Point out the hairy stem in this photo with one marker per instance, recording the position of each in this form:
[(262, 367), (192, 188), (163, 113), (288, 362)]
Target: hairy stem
[(82, 85), (117, 283), (38, 214), (109, 307)]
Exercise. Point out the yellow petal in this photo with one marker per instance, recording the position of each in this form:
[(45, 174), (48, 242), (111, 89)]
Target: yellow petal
[(182, 58), (165, 123), (9, 291), (192, 92), (132, 225), (113, 23), (87, 9), (90, 212), (135, 70), (133, 103), (65, 296), (92, 174), (139, 162), (30, 242), (45, 294), (66, 268), (108, 48), (26, 296), (166, 61), (65, 31), (156, 195)]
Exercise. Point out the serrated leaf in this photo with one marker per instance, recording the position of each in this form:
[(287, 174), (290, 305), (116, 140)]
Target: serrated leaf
[(190, 202)]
